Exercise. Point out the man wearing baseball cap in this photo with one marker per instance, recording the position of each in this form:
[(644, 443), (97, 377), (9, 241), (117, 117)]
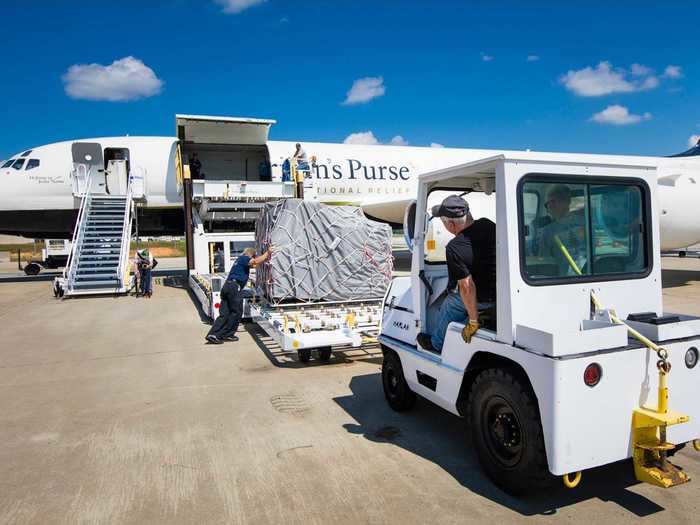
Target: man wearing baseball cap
[(471, 270)]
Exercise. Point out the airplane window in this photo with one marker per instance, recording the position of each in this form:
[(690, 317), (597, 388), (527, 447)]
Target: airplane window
[(8, 163), (33, 163), (18, 164), (26, 153)]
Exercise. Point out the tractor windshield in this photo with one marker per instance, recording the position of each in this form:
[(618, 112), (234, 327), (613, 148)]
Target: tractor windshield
[(574, 229)]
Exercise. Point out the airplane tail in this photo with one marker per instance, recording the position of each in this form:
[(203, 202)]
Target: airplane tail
[(692, 152)]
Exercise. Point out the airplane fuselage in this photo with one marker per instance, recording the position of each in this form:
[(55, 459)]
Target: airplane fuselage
[(40, 202)]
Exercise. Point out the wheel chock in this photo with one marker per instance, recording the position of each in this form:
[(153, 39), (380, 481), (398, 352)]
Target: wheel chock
[(650, 448)]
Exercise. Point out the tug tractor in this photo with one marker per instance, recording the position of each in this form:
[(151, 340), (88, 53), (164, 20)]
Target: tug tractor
[(578, 365)]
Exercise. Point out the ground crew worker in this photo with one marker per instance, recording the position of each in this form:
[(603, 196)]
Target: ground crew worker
[(195, 167), (471, 270), (145, 263), (231, 310), (302, 167), (569, 226)]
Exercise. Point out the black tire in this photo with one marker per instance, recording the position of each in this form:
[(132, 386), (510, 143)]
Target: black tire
[(324, 354), (304, 355), (507, 433), (396, 391), (32, 269)]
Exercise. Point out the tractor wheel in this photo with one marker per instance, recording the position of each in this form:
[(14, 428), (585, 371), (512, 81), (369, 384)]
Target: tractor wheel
[(32, 269), (507, 433), (396, 391), (304, 355)]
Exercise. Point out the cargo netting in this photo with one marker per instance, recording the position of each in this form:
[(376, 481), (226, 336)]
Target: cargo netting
[(322, 253)]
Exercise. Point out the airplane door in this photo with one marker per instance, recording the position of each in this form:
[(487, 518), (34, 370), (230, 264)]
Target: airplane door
[(200, 129), (88, 168)]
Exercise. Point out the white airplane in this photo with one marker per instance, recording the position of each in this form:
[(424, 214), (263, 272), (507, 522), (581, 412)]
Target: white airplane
[(38, 186)]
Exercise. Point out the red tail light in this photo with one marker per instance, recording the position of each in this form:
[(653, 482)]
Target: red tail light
[(217, 305), (592, 374)]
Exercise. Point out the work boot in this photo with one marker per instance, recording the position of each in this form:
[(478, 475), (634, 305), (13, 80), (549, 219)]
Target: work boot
[(425, 341), (214, 340)]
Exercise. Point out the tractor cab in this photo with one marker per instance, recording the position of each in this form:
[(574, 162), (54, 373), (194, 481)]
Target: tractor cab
[(577, 338)]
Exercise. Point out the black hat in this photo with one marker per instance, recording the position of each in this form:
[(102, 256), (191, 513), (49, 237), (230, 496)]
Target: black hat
[(452, 207)]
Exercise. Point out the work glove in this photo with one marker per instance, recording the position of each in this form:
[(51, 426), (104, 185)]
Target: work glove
[(469, 330)]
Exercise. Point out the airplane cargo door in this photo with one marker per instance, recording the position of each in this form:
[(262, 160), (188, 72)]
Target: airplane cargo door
[(225, 148)]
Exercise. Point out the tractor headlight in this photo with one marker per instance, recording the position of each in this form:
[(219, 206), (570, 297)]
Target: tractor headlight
[(691, 357)]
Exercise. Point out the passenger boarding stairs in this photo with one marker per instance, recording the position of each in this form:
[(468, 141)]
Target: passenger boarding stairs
[(99, 260)]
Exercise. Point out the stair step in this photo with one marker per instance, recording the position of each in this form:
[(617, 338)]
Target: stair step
[(95, 276), (112, 222), (112, 283), (98, 251)]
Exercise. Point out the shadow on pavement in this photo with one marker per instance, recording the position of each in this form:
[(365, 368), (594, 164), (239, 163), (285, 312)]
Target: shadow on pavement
[(440, 437), (674, 278), (282, 359), (179, 281)]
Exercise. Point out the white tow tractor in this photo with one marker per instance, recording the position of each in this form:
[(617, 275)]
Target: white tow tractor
[(580, 366)]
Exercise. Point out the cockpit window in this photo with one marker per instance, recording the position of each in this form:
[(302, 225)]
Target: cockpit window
[(18, 164), (33, 163), (8, 163), (26, 153)]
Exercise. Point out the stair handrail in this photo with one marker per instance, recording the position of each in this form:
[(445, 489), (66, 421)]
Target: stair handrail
[(69, 270), (126, 238)]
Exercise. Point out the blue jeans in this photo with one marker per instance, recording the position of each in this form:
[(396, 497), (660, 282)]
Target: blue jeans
[(146, 283), (451, 310)]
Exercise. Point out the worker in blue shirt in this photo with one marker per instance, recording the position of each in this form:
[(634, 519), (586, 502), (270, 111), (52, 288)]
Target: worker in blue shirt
[(225, 326)]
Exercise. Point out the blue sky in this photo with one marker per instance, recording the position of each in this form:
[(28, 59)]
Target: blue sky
[(453, 73)]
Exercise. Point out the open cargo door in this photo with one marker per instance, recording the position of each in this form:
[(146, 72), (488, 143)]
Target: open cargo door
[(201, 129)]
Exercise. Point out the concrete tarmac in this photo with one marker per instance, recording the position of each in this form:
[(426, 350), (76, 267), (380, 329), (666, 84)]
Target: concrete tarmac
[(113, 410)]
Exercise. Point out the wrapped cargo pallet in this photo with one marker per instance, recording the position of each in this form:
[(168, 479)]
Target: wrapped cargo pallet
[(322, 253)]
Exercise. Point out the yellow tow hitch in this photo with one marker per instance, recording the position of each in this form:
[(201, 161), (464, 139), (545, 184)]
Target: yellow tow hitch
[(651, 464), (650, 455)]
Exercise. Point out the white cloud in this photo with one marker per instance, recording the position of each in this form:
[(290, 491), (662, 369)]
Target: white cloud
[(364, 89), (125, 79), (398, 140), (693, 140), (361, 137), (533, 58), (436, 145), (640, 70), (233, 7), (619, 116), (673, 72), (605, 80), (486, 58)]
